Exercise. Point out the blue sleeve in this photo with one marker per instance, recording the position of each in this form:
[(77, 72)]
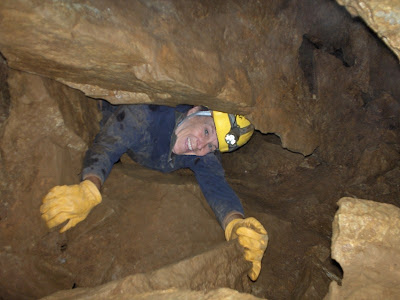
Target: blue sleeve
[(211, 178), (121, 130)]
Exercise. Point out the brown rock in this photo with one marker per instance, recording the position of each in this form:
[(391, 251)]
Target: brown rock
[(125, 53), (42, 144), (383, 16), (262, 157), (377, 160), (173, 294), (366, 243), (240, 57), (304, 70), (220, 267), (227, 56)]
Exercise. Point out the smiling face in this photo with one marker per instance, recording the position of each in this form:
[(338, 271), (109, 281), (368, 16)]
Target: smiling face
[(196, 135)]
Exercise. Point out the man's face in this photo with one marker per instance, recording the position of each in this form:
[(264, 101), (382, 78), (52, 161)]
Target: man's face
[(196, 136)]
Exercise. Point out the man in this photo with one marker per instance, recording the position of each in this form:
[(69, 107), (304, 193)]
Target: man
[(165, 139)]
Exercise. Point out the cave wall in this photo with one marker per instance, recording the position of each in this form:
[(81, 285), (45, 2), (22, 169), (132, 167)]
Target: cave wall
[(43, 140), (383, 16), (305, 72)]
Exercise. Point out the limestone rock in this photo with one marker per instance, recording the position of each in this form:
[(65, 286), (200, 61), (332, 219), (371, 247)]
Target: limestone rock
[(383, 16), (245, 57), (220, 267), (366, 243), (377, 160), (231, 56), (173, 294), (42, 143), (266, 159), (46, 116), (304, 70), (127, 53)]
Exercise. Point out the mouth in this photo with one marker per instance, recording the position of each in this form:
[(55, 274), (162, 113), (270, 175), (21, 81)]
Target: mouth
[(189, 145)]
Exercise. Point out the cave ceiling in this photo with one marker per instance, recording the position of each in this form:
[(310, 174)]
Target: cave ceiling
[(236, 56)]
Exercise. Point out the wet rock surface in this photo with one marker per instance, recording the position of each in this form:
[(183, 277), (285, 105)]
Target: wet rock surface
[(316, 82)]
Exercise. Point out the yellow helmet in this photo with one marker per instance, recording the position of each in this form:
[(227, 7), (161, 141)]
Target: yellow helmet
[(233, 131)]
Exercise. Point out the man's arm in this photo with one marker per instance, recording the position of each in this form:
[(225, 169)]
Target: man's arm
[(75, 202), (220, 196), (249, 232)]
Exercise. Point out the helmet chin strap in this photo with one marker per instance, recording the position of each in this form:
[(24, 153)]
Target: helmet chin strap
[(202, 113)]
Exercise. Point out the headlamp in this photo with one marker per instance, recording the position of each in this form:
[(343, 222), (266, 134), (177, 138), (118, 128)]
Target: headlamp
[(232, 137)]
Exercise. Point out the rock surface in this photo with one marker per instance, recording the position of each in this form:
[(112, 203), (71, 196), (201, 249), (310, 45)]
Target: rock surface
[(383, 16), (241, 57), (220, 267), (230, 56), (42, 143), (366, 243), (173, 294), (315, 76)]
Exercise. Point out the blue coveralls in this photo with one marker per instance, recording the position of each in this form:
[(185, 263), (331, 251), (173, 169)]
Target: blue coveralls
[(146, 134)]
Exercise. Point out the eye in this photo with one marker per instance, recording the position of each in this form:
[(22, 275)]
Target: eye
[(206, 131)]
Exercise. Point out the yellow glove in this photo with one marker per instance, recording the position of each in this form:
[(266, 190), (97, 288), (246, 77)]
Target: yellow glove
[(73, 202), (253, 237)]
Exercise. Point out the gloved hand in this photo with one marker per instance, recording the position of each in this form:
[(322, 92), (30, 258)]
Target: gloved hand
[(73, 202), (253, 237)]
